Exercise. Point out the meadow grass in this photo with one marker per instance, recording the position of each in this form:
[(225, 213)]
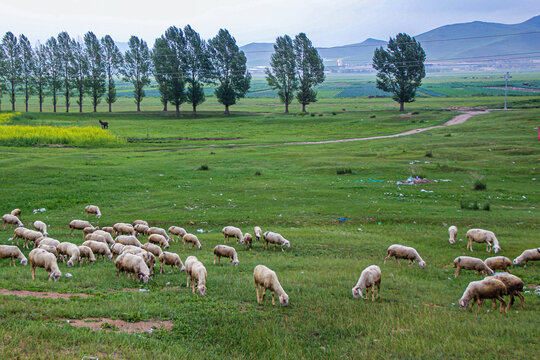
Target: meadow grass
[(299, 194)]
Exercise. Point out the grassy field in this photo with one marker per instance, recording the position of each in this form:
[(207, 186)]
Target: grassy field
[(300, 195)]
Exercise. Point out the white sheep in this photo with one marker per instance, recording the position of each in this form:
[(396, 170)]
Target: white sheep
[(148, 257), (26, 235), (452, 231), (258, 233), (49, 248), (514, 286), (12, 251), (100, 235), (192, 240), (141, 222), (117, 248), (190, 260), (173, 259), (488, 288), (177, 230), (369, 279), (109, 229), (140, 229), (267, 279), (528, 255), (16, 212), (154, 249), (159, 240), (481, 236), (225, 251), (498, 263), (46, 241), (470, 263), (128, 240), (78, 225), (40, 226), (99, 248), (132, 265), (89, 230), (124, 229), (276, 239), (92, 209), (404, 252), (86, 252), (198, 278), (231, 231), (46, 260), (159, 231), (11, 220), (248, 239), (71, 250)]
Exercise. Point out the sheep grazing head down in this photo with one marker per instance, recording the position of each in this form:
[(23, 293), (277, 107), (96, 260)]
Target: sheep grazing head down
[(55, 275), (422, 264), (284, 299), (357, 293), (201, 289), (287, 244), (143, 277), (235, 262), (24, 262), (463, 304), (496, 249), (183, 268)]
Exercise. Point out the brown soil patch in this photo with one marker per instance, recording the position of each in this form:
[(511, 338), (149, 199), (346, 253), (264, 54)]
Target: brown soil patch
[(41, 294), (405, 116), (125, 326)]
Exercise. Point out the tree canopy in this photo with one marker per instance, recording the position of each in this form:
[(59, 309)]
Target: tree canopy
[(281, 75)]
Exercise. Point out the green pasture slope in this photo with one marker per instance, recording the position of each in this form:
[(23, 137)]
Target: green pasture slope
[(300, 195)]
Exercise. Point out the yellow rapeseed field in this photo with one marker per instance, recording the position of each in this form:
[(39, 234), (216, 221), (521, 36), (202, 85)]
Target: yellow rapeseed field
[(23, 135), (6, 117)]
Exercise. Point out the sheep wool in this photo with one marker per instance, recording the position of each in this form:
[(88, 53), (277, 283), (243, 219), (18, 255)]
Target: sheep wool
[(267, 279), (369, 279)]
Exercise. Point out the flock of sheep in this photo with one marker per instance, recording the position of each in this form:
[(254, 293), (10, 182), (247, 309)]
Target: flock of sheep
[(138, 260)]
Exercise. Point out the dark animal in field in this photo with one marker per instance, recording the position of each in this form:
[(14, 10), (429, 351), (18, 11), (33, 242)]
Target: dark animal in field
[(104, 124)]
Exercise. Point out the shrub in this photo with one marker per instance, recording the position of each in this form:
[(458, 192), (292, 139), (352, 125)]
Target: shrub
[(486, 207), (204, 167), (373, 116), (313, 114), (415, 113), (429, 153), (479, 185), (334, 113), (344, 171), (258, 173)]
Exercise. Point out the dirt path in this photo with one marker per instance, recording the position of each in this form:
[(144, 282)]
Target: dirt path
[(456, 120), (513, 88)]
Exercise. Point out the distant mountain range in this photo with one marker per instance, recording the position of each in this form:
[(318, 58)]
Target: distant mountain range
[(477, 41)]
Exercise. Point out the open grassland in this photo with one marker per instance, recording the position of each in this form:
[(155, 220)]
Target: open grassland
[(299, 194)]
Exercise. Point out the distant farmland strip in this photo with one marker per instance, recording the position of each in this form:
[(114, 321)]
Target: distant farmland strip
[(361, 90)]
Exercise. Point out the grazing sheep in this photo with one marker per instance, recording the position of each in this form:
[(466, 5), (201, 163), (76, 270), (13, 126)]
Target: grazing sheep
[(177, 230), (140, 229), (154, 249), (276, 239), (128, 240), (117, 248), (248, 239), (92, 209), (78, 225), (26, 235), (190, 260), (198, 278), (89, 230), (488, 288), (40, 226), (514, 286), (132, 265), (369, 278), (99, 248), (258, 233), (132, 249), (169, 258), (139, 222), (192, 240), (148, 257), (86, 252), (231, 231), (481, 236), (498, 263), (471, 263), (452, 231), (158, 239), (71, 250), (16, 212), (124, 229), (225, 251), (157, 230), (100, 235), (11, 251), (43, 259), (46, 241), (267, 279), (49, 248), (528, 255), (11, 220), (109, 229), (404, 252)]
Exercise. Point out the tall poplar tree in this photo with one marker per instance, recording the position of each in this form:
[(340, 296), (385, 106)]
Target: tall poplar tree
[(229, 69), (54, 66), (282, 73), (12, 64), (137, 68), (41, 73), (177, 44), (197, 67), (65, 57), (27, 68), (114, 61), (309, 70), (161, 54), (96, 68), (79, 66)]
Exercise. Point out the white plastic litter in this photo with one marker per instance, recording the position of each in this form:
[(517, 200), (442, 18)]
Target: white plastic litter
[(200, 231), (68, 275), (144, 290)]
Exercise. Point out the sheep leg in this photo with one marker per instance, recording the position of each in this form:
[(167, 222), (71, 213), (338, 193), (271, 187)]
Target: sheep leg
[(215, 260), (257, 291), (378, 289), (184, 246), (263, 293), (372, 293), (480, 302), (503, 304), (72, 231), (386, 258), (12, 263), (397, 262), (494, 304), (33, 271), (161, 268), (187, 282), (273, 299), (458, 271)]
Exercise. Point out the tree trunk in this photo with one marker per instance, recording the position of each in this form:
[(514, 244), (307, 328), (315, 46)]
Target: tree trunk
[(138, 105), (194, 110), (303, 107), (227, 110), (286, 108), (177, 110), (165, 105), (54, 100), (95, 105), (110, 105), (12, 97), (80, 101), (401, 108)]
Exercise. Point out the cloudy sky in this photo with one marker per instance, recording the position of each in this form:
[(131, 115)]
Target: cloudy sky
[(327, 23)]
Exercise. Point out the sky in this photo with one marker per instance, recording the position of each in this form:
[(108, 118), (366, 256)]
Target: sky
[(326, 23)]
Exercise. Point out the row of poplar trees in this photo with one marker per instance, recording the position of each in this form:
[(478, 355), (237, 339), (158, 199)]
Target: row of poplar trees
[(180, 62)]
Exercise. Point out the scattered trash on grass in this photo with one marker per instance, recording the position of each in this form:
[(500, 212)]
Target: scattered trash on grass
[(426, 191), (200, 231), (342, 219), (144, 290), (68, 275), (415, 180), (35, 211)]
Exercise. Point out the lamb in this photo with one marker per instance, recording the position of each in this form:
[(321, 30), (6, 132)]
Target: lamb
[(159, 231), (132, 264), (158, 239), (46, 241), (528, 255), (488, 288), (190, 260), (225, 251), (514, 286), (71, 250), (100, 235), (78, 225), (169, 258), (481, 236), (231, 231), (99, 248), (452, 231), (192, 240), (276, 239), (177, 230), (258, 233), (16, 212), (141, 222), (128, 240), (198, 278), (140, 229), (267, 279), (49, 248), (124, 229), (498, 263), (471, 263), (154, 249), (26, 235), (46, 260), (11, 220), (86, 252), (248, 239), (92, 209), (12, 251), (369, 278), (404, 252)]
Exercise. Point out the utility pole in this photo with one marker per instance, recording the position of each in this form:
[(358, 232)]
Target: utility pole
[(506, 77)]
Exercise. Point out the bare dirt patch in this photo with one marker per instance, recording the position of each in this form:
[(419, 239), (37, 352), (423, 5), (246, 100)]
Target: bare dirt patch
[(41, 294), (119, 325)]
